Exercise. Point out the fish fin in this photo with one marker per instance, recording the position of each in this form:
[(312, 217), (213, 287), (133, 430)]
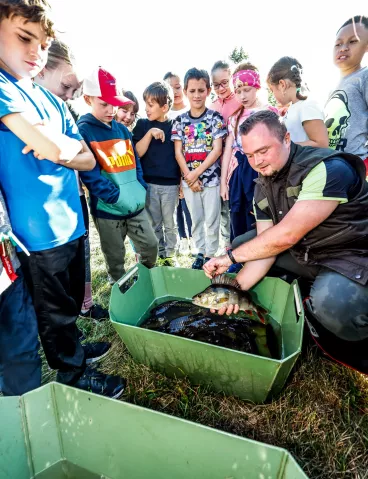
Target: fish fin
[(223, 279), (259, 315), (262, 313)]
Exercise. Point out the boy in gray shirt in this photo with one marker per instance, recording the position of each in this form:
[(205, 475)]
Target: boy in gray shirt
[(346, 111)]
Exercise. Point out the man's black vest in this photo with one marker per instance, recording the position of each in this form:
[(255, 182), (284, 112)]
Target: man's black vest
[(341, 241)]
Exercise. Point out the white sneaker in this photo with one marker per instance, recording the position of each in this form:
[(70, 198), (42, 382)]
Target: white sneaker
[(184, 246)]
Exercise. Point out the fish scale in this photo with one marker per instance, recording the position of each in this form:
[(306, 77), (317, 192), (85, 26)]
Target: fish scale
[(225, 291)]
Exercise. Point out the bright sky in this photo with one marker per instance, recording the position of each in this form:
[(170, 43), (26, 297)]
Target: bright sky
[(139, 41)]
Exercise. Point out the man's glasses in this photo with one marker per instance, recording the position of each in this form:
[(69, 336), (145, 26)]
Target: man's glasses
[(224, 84)]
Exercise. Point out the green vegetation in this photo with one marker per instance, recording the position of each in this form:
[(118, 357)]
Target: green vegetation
[(238, 55)]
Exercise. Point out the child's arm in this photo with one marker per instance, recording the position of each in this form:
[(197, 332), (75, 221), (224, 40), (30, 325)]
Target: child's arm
[(144, 143), (180, 157), (45, 142), (193, 176), (317, 134), (226, 157), (139, 169), (84, 161)]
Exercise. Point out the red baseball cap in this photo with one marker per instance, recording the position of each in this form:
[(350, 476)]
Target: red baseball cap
[(102, 84)]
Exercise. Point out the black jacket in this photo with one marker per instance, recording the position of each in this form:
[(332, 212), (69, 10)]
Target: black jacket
[(341, 241)]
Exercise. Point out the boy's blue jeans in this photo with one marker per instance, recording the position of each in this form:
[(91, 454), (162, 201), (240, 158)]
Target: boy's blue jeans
[(20, 363)]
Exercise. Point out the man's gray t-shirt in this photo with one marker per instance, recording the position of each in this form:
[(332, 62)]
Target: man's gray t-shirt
[(346, 114)]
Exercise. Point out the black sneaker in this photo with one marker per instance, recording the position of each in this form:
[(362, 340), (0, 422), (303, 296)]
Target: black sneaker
[(95, 351), (103, 384), (199, 262), (96, 312)]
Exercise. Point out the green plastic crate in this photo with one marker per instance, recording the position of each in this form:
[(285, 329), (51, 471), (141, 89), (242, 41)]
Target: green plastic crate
[(123, 441), (233, 372)]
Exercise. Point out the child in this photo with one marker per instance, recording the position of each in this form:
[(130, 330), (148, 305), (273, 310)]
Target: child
[(198, 136), (182, 212), (226, 103), (237, 177), (61, 78), (304, 118), (346, 111), (127, 114), (160, 170), (179, 105), (42, 197), (117, 193)]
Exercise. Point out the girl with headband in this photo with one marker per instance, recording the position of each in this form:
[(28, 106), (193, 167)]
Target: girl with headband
[(237, 176), (304, 119)]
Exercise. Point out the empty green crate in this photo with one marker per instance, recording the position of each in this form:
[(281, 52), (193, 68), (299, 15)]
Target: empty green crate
[(115, 440)]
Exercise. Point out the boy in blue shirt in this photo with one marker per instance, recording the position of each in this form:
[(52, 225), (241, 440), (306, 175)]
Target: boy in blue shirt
[(116, 186), (152, 138), (42, 196)]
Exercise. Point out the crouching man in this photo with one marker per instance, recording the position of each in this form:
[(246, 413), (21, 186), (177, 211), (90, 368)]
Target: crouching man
[(310, 207)]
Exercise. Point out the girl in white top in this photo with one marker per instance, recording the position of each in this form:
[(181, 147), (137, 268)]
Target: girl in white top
[(304, 119)]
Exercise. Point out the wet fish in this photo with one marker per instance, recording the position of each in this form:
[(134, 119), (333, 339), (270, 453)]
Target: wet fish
[(184, 319), (172, 315), (225, 291)]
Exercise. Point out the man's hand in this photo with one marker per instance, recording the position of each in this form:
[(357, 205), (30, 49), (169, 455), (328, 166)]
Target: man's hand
[(196, 186), (216, 266), (224, 191), (191, 177), (157, 134), (231, 309)]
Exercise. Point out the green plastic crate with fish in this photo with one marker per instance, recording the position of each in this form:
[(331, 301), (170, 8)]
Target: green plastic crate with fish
[(58, 432), (246, 375)]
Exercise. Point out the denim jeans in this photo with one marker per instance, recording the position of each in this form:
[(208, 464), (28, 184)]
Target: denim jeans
[(20, 362)]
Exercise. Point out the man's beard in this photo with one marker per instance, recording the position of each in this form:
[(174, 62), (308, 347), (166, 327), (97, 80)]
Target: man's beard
[(269, 175)]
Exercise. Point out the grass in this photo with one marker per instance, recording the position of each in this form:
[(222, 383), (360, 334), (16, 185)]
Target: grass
[(321, 417)]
